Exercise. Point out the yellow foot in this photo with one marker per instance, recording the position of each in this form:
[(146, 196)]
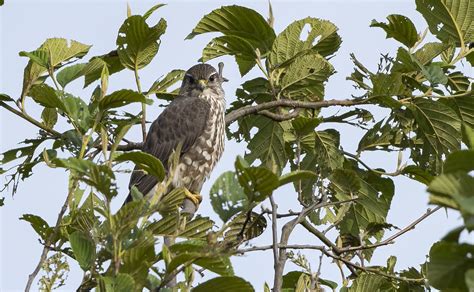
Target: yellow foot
[(195, 198)]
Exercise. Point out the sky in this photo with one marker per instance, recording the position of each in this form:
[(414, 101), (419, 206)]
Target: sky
[(24, 25)]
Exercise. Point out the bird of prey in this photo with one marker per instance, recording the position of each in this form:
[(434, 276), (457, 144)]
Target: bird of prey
[(195, 121)]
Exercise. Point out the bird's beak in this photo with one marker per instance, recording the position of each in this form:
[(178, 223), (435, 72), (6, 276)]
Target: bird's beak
[(202, 84)]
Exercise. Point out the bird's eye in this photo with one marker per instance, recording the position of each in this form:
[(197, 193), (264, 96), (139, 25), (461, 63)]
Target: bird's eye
[(212, 78), (190, 80)]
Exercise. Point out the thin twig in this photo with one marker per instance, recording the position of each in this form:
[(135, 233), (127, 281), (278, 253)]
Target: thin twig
[(396, 173), (274, 231), (391, 239), (280, 117), (271, 246)]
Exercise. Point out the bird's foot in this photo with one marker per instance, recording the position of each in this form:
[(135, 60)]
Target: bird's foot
[(195, 198)]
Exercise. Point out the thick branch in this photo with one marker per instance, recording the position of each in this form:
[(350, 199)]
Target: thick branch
[(254, 109)]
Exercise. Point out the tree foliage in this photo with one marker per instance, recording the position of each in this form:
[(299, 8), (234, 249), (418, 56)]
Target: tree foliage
[(430, 115)]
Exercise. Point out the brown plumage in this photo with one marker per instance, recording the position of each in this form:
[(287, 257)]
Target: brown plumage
[(196, 119)]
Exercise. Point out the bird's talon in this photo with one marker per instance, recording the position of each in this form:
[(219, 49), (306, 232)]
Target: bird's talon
[(195, 198)]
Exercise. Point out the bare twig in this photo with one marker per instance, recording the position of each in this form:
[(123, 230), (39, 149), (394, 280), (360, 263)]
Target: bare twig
[(391, 239), (395, 173), (274, 231), (271, 246)]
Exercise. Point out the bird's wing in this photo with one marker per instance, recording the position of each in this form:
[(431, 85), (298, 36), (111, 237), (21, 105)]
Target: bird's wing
[(183, 121)]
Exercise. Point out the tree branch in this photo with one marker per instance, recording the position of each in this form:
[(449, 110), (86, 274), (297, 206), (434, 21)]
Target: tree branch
[(254, 109), (391, 239)]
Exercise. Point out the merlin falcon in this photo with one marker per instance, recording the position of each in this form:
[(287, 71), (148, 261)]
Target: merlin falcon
[(194, 121)]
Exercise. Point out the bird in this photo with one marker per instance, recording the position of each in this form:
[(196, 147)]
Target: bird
[(194, 121)]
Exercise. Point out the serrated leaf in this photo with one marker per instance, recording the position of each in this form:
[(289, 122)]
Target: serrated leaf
[(458, 187), (418, 174), (231, 45), (227, 196), (49, 117), (295, 176), (70, 73), (39, 57), (120, 283), (368, 282), (439, 125), (462, 160), (161, 86), (449, 19), (228, 284), (448, 263), (429, 51), (46, 96), (458, 82), (327, 149), (257, 182), (267, 145), (150, 11), (464, 107), (322, 38), (304, 78), (77, 111), (93, 70), (121, 98), (172, 201), (147, 162), (468, 136), (237, 21), (39, 225), (255, 226), (137, 42), (83, 248), (400, 28)]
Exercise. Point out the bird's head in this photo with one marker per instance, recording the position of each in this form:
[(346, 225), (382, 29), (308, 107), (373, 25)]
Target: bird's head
[(200, 78)]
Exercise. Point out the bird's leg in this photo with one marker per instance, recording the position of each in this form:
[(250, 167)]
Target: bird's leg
[(195, 198)]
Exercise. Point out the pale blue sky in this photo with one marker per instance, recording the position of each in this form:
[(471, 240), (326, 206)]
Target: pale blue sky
[(26, 24)]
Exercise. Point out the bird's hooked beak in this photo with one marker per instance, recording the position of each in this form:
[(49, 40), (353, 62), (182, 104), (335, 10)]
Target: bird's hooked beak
[(202, 84)]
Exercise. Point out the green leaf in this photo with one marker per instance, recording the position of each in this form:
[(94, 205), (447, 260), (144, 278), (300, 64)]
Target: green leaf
[(161, 86), (169, 225), (439, 125), (46, 96), (327, 150), (458, 82), (120, 283), (147, 162), (464, 107), (380, 136), (256, 225), (137, 42), (295, 176), (468, 136), (40, 57), (268, 145), (228, 284), (227, 196), (304, 78), (418, 174), (39, 225), (462, 160), (429, 51), (449, 19), (448, 264), (434, 73), (70, 73), (49, 117), (257, 182), (322, 38), (4, 97), (172, 201), (240, 48), (93, 70), (469, 276), (238, 21), (291, 279), (400, 28), (458, 187), (368, 282), (121, 98), (83, 248), (151, 10), (78, 112), (374, 197)]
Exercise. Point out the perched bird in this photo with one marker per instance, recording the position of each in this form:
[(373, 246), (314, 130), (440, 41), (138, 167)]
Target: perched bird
[(194, 119)]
